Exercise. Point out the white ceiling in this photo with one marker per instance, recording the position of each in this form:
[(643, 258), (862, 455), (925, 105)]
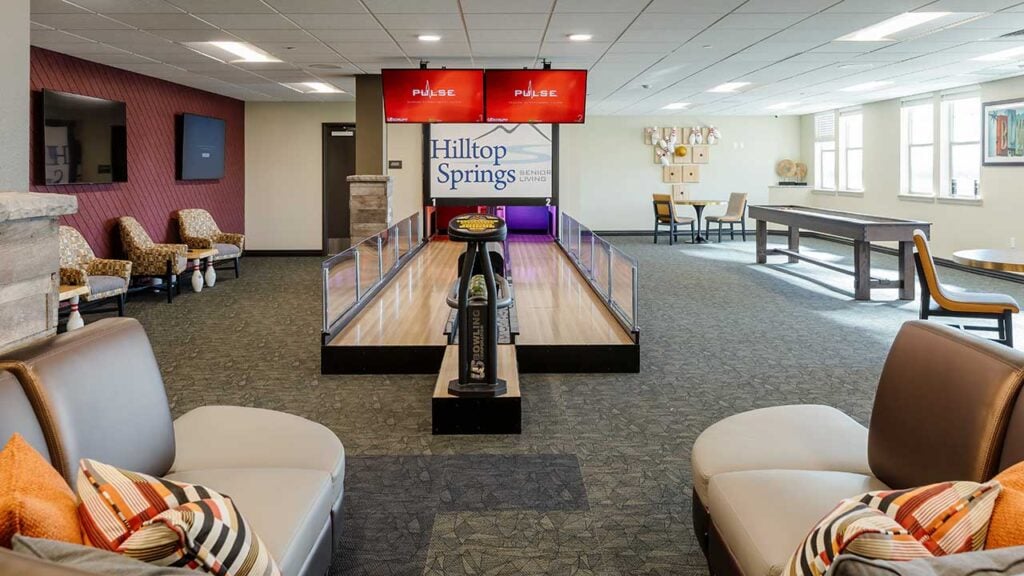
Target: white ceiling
[(644, 53)]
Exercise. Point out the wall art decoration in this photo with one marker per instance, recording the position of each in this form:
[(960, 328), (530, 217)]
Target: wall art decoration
[(1003, 124)]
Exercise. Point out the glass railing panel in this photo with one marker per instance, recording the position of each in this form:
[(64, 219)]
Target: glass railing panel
[(624, 284), (586, 250), (339, 277), (389, 249), (601, 265), (369, 264)]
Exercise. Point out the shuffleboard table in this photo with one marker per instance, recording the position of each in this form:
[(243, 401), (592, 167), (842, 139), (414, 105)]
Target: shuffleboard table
[(863, 229)]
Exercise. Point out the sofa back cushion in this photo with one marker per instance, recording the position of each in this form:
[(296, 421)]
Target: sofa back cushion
[(1013, 446), (942, 406), (17, 416), (101, 389)]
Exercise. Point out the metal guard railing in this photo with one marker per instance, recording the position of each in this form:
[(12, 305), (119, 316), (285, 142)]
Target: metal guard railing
[(611, 272), (352, 275)]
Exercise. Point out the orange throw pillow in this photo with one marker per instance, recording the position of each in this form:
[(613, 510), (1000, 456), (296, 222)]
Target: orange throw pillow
[(35, 500), (1007, 526)]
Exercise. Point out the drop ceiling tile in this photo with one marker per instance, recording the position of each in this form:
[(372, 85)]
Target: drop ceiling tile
[(804, 6), (674, 22), (418, 50), (333, 21), (119, 37), (499, 35), (376, 34), (604, 27), (78, 22), (318, 6), (223, 6), (694, 6), (55, 36), (160, 21), (505, 6), (492, 21), (632, 6), (634, 34), (505, 49), (128, 6), (54, 7), (890, 7), (660, 48), (421, 21), (292, 35), (212, 35), (402, 6), (744, 21), (247, 21), (358, 51)]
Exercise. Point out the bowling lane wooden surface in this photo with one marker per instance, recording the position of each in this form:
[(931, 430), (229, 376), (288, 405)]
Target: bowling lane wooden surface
[(554, 303), (411, 310)]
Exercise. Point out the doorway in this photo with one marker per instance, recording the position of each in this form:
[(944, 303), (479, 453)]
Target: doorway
[(339, 162)]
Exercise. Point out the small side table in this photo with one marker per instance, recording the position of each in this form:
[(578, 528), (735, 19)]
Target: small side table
[(197, 255), (72, 293), (1000, 259), (698, 207)]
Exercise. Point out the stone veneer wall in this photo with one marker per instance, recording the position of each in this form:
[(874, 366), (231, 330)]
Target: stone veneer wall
[(29, 265), (369, 205)]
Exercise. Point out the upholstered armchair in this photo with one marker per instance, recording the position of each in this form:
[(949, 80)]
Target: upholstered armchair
[(199, 230), (148, 258), (79, 266)]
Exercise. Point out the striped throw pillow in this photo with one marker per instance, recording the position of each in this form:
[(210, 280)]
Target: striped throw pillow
[(933, 520), (167, 523)]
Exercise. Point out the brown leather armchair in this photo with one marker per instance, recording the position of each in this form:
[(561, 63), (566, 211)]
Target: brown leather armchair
[(947, 408)]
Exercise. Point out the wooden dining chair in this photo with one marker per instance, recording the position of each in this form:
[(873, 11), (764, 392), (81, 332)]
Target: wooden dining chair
[(735, 213), (939, 300), (665, 215)]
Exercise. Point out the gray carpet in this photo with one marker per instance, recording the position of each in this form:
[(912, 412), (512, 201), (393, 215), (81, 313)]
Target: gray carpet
[(599, 481)]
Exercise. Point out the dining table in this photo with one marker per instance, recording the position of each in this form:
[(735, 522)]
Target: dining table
[(698, 207)]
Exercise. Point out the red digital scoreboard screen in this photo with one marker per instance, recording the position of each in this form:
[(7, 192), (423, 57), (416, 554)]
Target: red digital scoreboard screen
[(433, 96), (536, 96)]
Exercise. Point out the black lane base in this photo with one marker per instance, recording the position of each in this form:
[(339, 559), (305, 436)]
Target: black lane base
[(477, 415), (533, 359)]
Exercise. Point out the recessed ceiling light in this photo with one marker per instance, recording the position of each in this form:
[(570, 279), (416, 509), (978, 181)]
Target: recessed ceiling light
[(729, 87), (781, 106), (580, 37), (1002, 55), (675, 106), (245, 52), (880, 32), (429, 38), (867, 86)]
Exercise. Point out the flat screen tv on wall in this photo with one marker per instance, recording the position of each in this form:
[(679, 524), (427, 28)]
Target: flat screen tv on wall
[(200, 147), (85, 140)]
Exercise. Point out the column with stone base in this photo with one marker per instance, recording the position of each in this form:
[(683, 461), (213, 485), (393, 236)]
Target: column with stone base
[(369, 205)]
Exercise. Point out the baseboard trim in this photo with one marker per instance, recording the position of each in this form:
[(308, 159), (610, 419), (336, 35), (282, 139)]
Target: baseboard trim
[(284, 253)]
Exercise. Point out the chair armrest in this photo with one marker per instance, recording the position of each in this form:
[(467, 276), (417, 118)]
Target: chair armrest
[(105, 267), (74, 276), (231, 238), (196, 242)]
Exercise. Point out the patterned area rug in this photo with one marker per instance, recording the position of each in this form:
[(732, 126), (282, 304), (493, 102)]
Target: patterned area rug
[(599, 481)]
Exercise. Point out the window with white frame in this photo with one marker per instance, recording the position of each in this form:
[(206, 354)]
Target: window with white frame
[(917, 147), (851, 151), (961, 146), (825, 151)]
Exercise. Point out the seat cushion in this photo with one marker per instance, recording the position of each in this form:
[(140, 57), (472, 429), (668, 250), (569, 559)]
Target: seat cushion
[(287, 508), (978, 301), (103, 284), (226, 251), (724, 219), (763, 516), (799, 437), (91, 559), (243, 437)]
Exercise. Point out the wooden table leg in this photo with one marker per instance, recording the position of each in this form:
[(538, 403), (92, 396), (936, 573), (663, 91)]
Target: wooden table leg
[(761, 238), (908, 283), (794, 242), (75, 317), (861, 270)]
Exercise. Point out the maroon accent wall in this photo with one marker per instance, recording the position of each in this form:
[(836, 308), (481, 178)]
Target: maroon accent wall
[(151, 194)]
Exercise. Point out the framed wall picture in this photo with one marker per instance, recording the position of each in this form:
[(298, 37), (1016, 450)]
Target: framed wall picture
[(1003, 126)]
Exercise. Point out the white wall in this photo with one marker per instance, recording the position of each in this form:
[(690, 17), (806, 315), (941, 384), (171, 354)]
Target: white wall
[(955, 225), (284, 172), (14, 96), (608, 174), (405, 143)]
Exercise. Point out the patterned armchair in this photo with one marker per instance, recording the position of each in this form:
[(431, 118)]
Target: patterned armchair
[(80, 266), (150, 259), (199, 230)]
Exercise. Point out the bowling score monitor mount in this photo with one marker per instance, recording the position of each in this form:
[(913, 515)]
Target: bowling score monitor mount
[(478, 309)]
